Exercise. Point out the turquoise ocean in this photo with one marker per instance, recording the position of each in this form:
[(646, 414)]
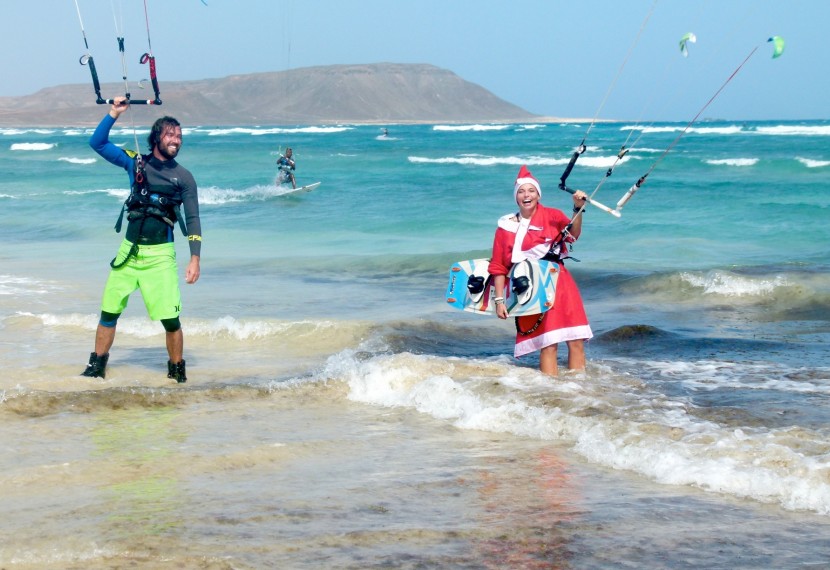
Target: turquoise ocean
[(338, 414)]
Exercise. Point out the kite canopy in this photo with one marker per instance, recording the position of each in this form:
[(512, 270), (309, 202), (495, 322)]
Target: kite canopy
[(778, 45), (690, 37)]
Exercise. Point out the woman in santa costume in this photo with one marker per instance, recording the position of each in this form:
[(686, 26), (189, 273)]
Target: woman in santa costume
[(535, 232)]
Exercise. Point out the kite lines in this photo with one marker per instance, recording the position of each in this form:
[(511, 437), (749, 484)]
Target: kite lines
[(146, 58), (778, 48)]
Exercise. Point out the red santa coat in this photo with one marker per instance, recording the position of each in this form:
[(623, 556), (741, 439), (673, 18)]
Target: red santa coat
[(567, 319)]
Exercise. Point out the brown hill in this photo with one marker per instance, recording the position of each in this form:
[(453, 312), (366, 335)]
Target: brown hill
[(371, 93)]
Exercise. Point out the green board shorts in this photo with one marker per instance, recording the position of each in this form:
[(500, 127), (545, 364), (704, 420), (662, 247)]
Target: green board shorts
[(154, 271)]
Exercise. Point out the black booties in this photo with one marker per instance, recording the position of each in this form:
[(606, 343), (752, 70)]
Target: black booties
[(176, 371), (97, 366)]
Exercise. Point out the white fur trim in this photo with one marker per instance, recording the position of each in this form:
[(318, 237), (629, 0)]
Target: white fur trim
[(518, 255), (520, 181), (508, 222), (523, 347)]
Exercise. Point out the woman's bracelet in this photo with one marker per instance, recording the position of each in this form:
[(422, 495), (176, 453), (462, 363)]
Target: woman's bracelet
[(498, 300)]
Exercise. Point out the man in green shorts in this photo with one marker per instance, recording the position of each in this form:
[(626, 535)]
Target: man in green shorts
[(162, 193)]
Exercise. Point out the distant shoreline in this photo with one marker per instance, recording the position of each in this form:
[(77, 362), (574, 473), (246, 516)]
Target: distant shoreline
[(354, 94), (540, 120)]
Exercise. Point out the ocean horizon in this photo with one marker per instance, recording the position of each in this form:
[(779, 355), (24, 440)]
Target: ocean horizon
[(338, 413)]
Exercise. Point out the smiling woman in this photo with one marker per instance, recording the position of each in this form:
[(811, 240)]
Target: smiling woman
[(537, 232)]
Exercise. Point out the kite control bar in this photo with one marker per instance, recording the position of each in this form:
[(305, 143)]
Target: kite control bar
[(627, 196), (593, 202), (577, 153), (145, 58), (87, 60), (580, 149), (151, 61)]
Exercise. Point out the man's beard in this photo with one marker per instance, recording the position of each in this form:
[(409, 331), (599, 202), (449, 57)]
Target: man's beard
[(167, 155)]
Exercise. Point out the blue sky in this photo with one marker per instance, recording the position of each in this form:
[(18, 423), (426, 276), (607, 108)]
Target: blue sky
[(550, 57)]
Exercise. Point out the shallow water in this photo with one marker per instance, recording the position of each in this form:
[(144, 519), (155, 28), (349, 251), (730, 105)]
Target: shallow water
[(338, 414), (298, 476)]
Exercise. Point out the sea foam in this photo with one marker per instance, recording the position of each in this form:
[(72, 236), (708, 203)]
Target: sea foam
[(74, 160), (732, 285), (733, 161), (627, 428), (811, 163), (32, 146)]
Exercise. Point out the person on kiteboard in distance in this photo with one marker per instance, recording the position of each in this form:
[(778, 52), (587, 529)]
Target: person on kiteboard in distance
[(162, 193), (286, 166), (538, 232)]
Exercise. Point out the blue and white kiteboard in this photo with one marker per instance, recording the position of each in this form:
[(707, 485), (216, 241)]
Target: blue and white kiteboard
[(529, 290)]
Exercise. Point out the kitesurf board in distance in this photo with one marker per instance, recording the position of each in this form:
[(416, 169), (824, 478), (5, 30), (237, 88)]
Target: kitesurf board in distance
[(300, 189), (538, 298)]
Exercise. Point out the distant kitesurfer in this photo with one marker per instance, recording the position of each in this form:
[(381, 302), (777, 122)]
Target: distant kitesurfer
[(536, 232), (286, 166), (160, 188)]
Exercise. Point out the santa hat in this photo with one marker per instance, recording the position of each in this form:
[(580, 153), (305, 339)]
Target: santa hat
[(525, 177)]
